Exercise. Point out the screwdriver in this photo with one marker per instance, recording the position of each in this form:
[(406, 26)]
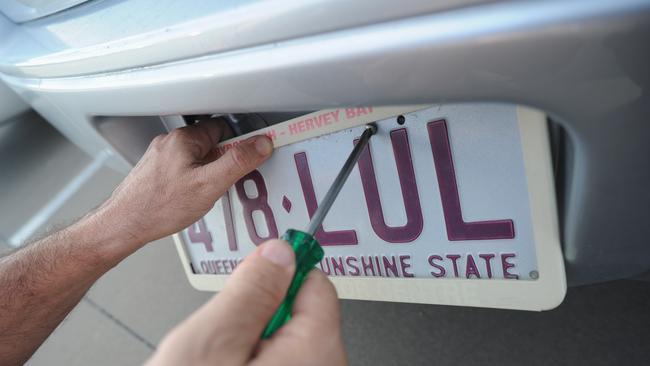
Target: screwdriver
[(305, 246)]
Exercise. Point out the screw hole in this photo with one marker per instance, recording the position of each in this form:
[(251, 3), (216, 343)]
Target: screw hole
[(401, 120)]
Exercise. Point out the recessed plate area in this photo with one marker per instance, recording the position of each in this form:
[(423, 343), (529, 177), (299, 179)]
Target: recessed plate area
[(449, 204)]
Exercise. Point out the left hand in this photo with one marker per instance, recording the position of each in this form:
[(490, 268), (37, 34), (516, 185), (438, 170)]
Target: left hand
[(177, 181)]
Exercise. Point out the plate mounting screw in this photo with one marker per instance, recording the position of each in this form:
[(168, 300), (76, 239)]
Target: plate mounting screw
[(534, 275)]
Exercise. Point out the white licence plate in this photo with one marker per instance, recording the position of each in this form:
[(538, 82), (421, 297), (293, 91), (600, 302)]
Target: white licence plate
[(442, 196)]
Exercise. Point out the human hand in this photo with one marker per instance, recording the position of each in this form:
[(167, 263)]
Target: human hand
[(176, 182), (227, 329)]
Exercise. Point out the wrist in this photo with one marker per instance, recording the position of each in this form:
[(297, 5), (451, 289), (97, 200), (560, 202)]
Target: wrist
[(108, 236)]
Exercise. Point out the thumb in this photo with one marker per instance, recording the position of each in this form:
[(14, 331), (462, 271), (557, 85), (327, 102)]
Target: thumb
[(228, 327), (238, 161), (254, 292)]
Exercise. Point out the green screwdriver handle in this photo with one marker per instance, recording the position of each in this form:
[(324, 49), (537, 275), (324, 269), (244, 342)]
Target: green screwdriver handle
[(308, 253)]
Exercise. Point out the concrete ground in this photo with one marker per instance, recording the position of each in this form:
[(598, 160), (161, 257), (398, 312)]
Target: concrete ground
[(126, 314)]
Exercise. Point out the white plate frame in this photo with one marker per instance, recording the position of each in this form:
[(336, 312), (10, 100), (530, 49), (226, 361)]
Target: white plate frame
[(544, 293)]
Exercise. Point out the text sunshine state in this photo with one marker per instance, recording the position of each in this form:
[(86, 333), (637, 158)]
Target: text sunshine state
[(483, 265)]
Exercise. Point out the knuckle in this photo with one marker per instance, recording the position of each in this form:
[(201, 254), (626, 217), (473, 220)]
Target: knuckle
[(185, 139), (205, 135), (179, 134), (158, 141)]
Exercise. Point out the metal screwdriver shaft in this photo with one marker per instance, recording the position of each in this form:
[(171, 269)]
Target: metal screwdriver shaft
[(339, 181), (305, 246)]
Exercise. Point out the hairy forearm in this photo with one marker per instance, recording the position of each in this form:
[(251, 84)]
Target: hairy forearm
[(42, 282), (176, 182)]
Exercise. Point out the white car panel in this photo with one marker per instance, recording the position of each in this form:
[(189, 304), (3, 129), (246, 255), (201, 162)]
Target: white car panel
[(25, 10)]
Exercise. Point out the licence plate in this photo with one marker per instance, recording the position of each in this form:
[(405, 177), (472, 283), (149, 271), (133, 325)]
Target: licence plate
[(441, 193)]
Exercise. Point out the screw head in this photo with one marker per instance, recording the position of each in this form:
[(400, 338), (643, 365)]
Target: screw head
[(534, 275)]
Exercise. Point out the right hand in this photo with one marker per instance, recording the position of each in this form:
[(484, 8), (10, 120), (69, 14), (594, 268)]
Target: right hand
[(226, 330)]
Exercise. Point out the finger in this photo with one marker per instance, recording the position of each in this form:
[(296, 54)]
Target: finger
[(201, 137), (213, 154), (238, 161), (212, 128), (260, 283), (229, 326), (314, 331), (238, 315), (317, 300), (227, 132)]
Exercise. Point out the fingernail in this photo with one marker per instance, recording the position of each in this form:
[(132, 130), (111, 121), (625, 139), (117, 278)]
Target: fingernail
[(263, 145), (278, 252)]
